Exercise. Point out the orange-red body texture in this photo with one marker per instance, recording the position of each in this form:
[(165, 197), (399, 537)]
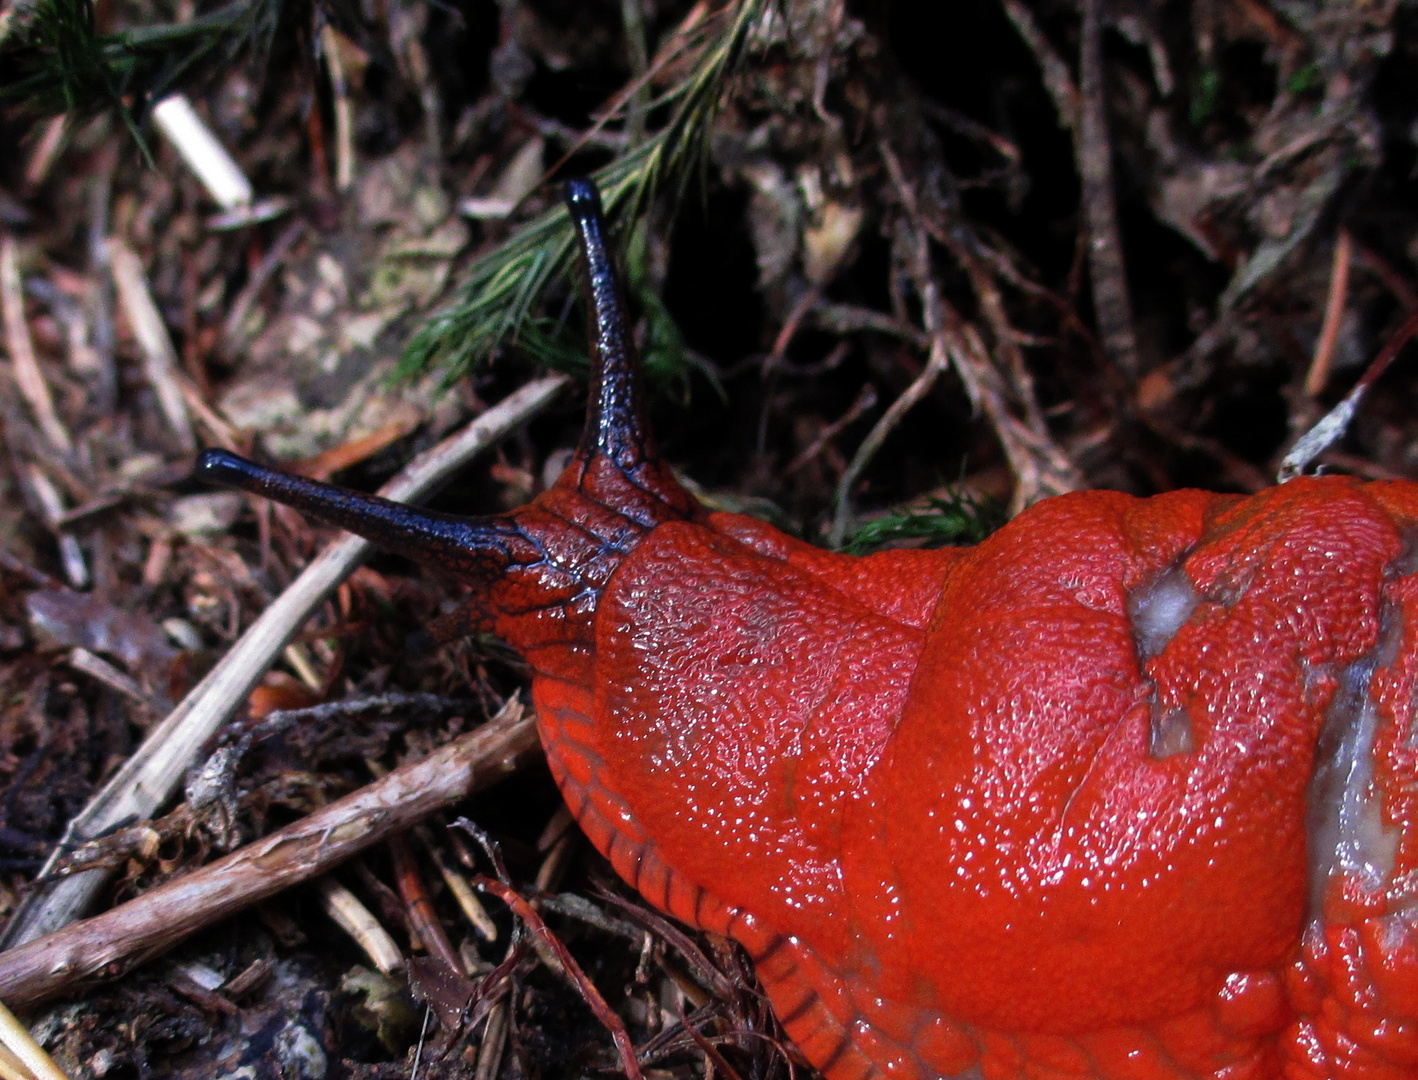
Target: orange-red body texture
[(1125, 792)]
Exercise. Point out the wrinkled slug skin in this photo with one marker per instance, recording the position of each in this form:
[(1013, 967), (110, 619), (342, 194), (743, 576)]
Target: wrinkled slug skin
[(942, 812), (1125, 792)]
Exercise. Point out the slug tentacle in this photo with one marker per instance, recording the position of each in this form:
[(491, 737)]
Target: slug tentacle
[(443, 539), (614, 424), (617, 461), (557, 553)]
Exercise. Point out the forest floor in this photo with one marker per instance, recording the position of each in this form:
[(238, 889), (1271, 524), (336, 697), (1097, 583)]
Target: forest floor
[(898, 271)]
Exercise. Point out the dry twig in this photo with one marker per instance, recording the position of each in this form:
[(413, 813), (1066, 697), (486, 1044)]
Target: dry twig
[(1039, 465), (96, 667), (271, 262), (46, 151), (33, 387), (1112, 306), (939, 361), (1082, 109), (28, 1054), (23, 1056), (350, 915), (865, 399), (1057, 80), (121, 939), (203, 152), (493, 1041), (1334, 304), (1331, 427), (159, 357), (418, 908), (51, 507), (341, 106), (609, 1020), (462, 892)]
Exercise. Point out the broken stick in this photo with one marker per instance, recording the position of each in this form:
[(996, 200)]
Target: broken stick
[(119, 940)]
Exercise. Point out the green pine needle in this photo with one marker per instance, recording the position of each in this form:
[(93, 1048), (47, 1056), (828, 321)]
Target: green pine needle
[(957, 520)]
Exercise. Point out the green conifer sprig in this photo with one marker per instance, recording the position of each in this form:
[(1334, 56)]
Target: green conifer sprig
[(958, 519), (54, 60), (502, 288)]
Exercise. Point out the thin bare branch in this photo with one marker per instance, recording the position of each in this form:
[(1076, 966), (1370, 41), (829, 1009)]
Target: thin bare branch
[(1112, 303), (1331, 427), (1057, 80), (33, 387), (20, 1044), (938, 363), (203, 152), (159, 357), (119, 940), (1334, 306), (609, 1020)]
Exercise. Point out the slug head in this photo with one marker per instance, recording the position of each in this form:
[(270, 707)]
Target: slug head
[(538, 572)]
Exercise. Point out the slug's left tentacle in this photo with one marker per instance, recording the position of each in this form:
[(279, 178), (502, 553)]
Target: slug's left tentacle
[(469, 547), (560, 550)]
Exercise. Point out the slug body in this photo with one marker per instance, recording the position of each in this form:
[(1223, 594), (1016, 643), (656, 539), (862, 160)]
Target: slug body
[(1126, 792)]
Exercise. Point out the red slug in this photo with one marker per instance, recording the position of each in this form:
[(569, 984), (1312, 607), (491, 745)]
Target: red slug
[(1126, 792)]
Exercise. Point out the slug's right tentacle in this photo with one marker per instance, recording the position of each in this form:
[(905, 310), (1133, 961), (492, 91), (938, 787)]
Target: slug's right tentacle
[(615, 427), (617, 463)]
